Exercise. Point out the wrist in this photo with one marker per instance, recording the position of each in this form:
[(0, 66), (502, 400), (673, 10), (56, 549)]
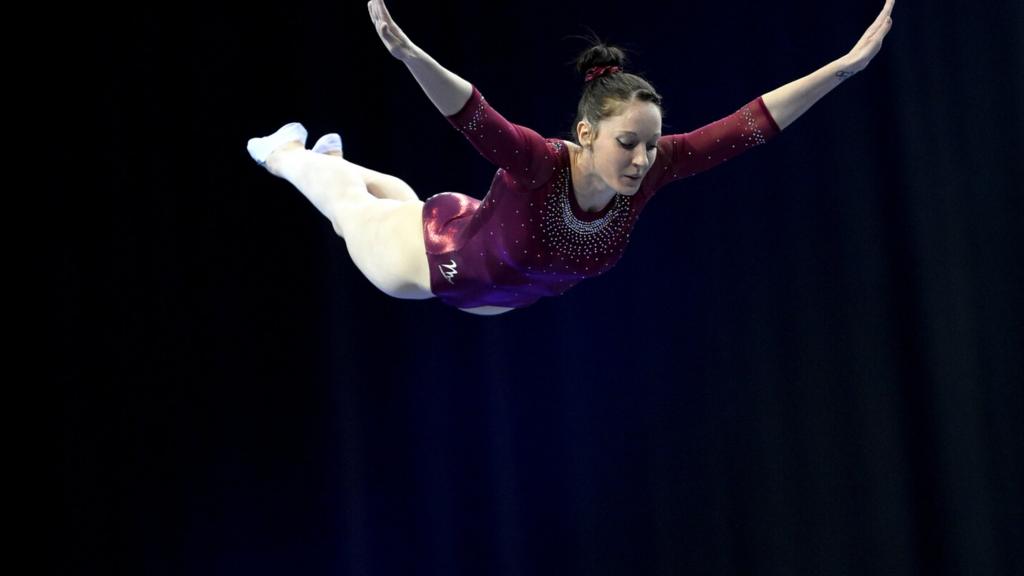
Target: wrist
[(845, 67), (411, 54)]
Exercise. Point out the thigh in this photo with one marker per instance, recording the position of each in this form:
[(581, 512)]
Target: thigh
[(388, 248), (414, 247), (385, 185)]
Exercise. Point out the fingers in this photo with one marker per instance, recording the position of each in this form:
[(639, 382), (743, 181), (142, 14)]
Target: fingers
[(882, 20), (375, 15), (386, 14), (379, 12), (879, 20), (887, 11), (887, 8)]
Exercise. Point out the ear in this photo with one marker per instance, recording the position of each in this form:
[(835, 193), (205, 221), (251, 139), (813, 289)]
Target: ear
[(583, 133)]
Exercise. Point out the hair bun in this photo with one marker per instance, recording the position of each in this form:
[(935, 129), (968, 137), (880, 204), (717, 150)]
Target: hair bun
[(599, 55)]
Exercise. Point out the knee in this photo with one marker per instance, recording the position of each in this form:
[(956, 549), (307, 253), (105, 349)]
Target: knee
[(355, 217), (388, 186)]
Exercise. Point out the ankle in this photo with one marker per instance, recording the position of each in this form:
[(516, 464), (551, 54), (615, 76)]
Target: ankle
[(275, 157)]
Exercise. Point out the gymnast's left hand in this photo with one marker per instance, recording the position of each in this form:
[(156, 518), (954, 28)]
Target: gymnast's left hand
[(871, 42)]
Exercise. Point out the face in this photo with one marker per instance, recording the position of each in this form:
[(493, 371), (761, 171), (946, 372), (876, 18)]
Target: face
[(625, 146)]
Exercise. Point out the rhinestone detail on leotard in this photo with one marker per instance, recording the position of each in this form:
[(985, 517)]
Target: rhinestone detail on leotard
[(756, 136), (568, 234)]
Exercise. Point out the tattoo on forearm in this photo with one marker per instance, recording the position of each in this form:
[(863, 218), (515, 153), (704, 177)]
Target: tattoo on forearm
[(844, 74)]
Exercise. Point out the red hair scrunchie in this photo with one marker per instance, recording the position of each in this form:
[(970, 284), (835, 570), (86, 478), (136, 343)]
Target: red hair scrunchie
[(599, 71)]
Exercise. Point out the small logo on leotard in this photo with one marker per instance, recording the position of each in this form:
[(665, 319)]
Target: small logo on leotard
[(449, 271)]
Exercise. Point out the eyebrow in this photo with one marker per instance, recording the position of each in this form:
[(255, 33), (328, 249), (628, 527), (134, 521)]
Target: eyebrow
[(656, 134)]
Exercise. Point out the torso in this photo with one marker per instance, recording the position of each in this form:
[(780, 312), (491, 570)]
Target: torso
[(495, 310)]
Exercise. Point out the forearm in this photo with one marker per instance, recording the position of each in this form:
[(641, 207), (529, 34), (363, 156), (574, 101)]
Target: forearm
[(446, 90), (789, 102)]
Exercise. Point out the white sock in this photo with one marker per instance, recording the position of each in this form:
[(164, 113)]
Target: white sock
[(328, 143), (260, 148)]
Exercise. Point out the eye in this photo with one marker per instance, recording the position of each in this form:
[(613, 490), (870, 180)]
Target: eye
[(630, 146)]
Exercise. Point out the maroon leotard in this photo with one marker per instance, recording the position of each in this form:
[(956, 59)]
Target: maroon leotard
[(529, 238)]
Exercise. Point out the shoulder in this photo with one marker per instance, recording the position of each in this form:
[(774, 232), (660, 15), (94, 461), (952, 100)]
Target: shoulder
[(563, 148)]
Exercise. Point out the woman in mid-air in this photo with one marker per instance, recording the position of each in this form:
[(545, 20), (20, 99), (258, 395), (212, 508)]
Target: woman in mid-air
[(557, 212)]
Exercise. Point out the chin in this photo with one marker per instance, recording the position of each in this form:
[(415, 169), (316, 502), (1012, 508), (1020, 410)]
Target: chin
[(629, 190)]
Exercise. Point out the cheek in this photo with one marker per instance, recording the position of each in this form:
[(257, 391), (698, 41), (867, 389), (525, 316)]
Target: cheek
[(614, 157)]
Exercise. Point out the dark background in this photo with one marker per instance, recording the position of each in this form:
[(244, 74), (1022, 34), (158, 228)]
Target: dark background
[(807, 362)]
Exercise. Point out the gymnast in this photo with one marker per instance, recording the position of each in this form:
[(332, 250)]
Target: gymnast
[(557, 211)]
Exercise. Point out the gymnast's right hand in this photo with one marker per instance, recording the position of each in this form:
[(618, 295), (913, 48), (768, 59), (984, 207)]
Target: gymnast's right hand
[(397, 43)]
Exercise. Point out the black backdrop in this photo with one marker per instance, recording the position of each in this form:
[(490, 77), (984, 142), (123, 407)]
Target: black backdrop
[(807, 362)]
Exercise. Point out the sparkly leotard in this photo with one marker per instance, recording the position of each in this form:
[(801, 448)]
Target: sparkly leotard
[(528, 238)]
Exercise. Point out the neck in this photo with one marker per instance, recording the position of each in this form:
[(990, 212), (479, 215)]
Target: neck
[(591, 193)]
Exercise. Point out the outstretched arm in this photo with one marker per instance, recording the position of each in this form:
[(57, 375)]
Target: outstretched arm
[(446, 90), (789, 102), (518, 150)]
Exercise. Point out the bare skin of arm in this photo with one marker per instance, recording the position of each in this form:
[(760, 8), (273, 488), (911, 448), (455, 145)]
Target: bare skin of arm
[(446, 90), (789, 102)]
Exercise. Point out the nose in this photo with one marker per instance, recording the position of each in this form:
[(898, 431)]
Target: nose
[(640, 159)]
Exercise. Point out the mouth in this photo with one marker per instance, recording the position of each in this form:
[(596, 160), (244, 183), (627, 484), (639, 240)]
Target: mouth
[(631, 178)]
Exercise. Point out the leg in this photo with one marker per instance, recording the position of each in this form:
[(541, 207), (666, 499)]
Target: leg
[(384, 237), (386, 186), (379, 184)]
